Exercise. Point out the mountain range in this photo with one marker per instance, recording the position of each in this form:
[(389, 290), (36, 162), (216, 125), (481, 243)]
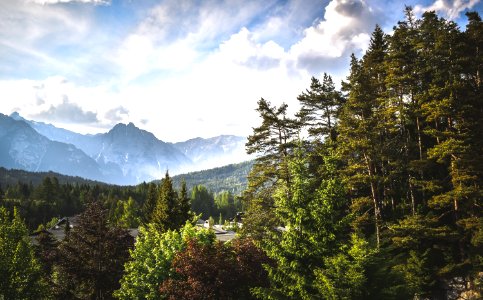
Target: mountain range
[(124, 155)]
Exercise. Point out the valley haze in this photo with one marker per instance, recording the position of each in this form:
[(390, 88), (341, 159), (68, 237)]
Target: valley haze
[(124, 155)]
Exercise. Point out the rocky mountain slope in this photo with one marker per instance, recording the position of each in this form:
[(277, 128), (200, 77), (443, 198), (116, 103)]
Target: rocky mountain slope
[(125, 154)]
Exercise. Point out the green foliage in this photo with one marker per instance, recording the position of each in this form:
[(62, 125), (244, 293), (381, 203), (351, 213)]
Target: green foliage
[(150, 203), (183, 207), (417, 275), (20, 272), (231, 178), (314, 229), (202, 201), (165, 213), (53, 197), (320, 106), (126, 214), (407, 137), (151, 260), (227, 205), (91, 256), (273, 142), (344, 275)]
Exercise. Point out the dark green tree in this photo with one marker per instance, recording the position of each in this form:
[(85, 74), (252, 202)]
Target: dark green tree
[(91, 257), (273, 142), (320, 106), (150, 203), (183, 209), (202, 201), (165, 212), (362, 134)]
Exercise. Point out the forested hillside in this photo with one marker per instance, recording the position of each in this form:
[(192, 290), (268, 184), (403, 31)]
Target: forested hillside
[(231, 178), (12, 177), (41, 196), (372, 191)]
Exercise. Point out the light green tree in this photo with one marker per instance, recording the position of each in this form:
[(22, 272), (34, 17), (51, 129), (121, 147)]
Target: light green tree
[(20, 272), (130, 217), (314, 227), (343, 276)]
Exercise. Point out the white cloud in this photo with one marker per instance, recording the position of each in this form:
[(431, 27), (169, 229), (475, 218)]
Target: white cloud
[(450, 8), (22, 21), (59, 101), (176, 34), (184, 69), (241, 48), (117, 114), (67, 112), (205, 88), (43, 2), (346, 28), (31, 35), (138, 55)]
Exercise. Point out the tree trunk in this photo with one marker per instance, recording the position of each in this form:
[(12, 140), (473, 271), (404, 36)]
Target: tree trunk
[(374, 198)]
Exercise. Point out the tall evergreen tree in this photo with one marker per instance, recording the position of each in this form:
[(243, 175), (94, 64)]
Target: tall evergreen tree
[(150, 203), (362, 134), (183, 209), (202, 201), (314, 227), (165, 212), (403, 119), (47, 253), (273, 142), (320, 106), (91, 257)]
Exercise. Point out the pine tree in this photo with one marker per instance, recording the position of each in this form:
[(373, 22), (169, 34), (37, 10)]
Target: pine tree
[(91, 257), (150, 203), (183, 206), (402, 115), (272, 141), (314, 227), (202, 201), (344, 274), (320, 106), (130, 214), (165, 212), (357, 135), (46, 251)]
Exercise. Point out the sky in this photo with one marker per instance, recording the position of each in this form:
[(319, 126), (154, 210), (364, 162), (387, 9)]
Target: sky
[(181, 68)]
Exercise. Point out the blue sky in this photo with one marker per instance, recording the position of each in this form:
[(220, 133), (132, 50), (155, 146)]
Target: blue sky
[(181, 68)]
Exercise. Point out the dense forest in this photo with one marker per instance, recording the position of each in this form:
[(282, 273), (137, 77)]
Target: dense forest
[(9, 177), (372, 191), (231, 178), (44, 199)]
